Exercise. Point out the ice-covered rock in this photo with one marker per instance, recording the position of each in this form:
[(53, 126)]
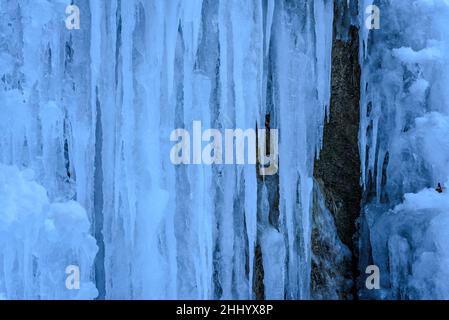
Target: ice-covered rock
[(405, 154)]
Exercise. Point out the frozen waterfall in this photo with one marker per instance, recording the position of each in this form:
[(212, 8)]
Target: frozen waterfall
[(90, 112), (405, 150)]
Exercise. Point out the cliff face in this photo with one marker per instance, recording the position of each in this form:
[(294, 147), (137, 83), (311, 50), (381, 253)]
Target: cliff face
[(337, 171)]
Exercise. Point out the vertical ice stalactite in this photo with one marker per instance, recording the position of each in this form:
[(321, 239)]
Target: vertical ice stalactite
[(379, 149), (130, 114), (240, 50), (152, 213)]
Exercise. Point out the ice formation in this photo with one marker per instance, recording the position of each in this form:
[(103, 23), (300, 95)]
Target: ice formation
[(404, 146), (91, 111), (85, 171), (39, 239)]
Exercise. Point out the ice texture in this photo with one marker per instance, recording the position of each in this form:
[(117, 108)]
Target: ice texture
[(405, 150), (90, 111), (39, 239)]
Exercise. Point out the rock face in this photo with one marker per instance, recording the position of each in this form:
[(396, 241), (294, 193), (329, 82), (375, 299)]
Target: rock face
[(337, 171)]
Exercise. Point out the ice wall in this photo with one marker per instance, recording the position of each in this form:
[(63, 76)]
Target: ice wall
[(44, 128), (331, 258), (91, 112), (404, 119)]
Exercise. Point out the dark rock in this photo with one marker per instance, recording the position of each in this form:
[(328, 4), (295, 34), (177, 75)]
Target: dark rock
[(337, 170)]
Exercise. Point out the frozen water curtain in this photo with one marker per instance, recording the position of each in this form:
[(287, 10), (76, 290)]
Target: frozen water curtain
[(165, 149), (87, 115)]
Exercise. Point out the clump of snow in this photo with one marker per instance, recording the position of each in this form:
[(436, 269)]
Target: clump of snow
[(39, 239)]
